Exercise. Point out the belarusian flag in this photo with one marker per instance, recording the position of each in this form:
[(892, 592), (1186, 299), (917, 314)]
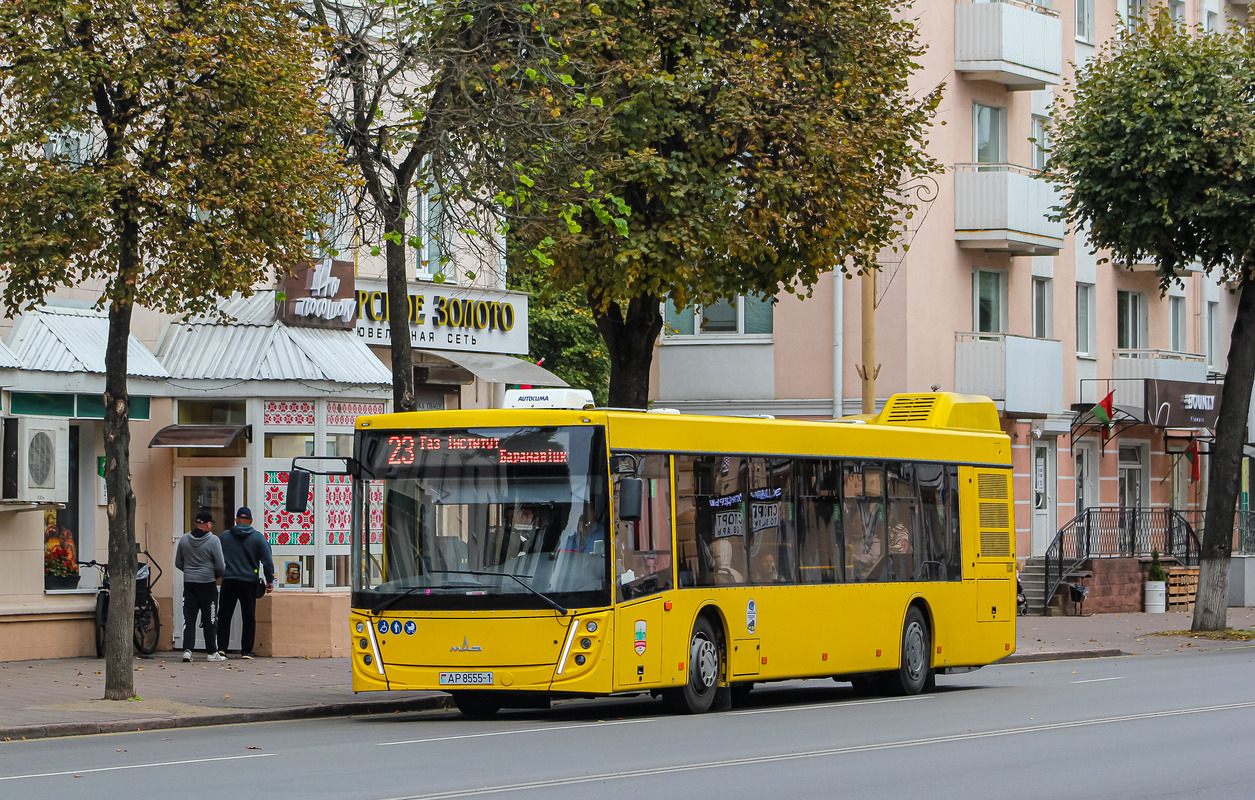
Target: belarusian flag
[(1104, 411), (1191, 455)]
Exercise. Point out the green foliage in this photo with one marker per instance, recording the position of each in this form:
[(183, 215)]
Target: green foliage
[(1156, 572), (200, 163), (757, 146), (1157, 149), (562, 332)]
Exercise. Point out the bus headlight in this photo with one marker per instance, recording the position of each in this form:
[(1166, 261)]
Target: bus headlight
[(578, 659), (361, 627), (592, 626), (586, 643)]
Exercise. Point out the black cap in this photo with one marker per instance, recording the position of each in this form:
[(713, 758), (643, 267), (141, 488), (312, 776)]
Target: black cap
[(204, 516), (243, 513)]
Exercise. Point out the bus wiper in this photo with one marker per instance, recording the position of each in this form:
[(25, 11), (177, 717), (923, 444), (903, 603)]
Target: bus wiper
[(391, 601)]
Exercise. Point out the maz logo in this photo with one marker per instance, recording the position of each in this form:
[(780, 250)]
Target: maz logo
[(466, 647)]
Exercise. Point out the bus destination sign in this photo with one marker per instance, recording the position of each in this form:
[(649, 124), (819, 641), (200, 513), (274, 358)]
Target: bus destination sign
[(403, 449)]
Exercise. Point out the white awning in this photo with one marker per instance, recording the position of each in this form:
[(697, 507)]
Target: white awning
[(497, 368)]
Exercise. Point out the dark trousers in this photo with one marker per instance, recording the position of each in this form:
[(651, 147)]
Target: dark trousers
[(246, 593), (200, 598)]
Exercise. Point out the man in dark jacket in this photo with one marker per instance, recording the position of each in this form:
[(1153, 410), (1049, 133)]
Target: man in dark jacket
[(199, 556), (243, 549)]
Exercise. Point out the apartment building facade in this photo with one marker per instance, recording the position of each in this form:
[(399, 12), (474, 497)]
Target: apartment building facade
[(993, 297)]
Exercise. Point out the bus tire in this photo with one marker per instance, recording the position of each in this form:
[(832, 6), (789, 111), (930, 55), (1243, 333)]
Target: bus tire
[(911, 676), (476, 704), (705, 665)]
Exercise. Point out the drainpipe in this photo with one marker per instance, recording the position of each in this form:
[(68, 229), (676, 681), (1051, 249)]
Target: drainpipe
[(838, 330)]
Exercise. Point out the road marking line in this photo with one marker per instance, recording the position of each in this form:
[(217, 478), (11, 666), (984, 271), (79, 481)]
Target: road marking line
[(133, 766), (843, 704), (521, 730), (835, 751), (1100, 680)]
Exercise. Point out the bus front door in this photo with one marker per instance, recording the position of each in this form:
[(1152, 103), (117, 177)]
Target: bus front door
[(638, 644)]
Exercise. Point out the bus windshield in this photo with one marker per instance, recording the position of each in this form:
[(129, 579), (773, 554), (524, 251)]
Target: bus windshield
[(481, 518)]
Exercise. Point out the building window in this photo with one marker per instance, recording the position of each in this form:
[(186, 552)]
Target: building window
[(1041, 142), (1085, 21), (989, 141), (1176, 324), (1176, 9), (1211, 16), (1135, 12), (988, 301), (1130, 320), (74, 147), (1209, 334), (746, 315), (1085, 319), (1042, 307)]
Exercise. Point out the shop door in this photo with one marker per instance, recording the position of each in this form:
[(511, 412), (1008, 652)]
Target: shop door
[(220, 492)]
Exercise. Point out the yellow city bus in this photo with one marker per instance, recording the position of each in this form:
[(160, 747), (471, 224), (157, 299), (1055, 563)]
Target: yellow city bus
[(511, 556)]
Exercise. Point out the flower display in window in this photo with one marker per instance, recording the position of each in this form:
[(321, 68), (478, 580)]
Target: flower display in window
[(59, 564)]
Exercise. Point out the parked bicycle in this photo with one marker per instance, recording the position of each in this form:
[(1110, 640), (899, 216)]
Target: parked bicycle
[(147, 620)]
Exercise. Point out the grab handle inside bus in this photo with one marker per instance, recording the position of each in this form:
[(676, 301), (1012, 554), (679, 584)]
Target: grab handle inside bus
[(297, 500), (631, 499)]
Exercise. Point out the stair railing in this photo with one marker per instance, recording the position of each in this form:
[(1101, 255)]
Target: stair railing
[(1117, 532)]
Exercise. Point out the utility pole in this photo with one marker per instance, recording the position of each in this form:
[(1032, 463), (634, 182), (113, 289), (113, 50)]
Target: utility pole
[(869, 369)]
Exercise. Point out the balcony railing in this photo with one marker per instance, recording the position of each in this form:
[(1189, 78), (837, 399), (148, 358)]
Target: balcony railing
[(1016, 44), (1023, 375), (1005, 208), (1162, 365)]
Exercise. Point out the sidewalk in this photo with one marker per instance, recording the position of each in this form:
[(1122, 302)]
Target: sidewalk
[(61, 697)]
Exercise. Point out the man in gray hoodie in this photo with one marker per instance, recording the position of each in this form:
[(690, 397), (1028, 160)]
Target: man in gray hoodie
[(199, 556)]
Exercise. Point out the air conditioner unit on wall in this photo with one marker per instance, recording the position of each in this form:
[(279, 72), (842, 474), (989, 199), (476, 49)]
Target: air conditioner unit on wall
[(35, 460)]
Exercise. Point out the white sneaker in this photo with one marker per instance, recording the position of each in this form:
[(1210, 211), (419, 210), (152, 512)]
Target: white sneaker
[(187, 655), (214, 657)]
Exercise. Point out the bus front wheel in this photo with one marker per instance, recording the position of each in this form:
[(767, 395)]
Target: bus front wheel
[(705, 665), (914, 671)]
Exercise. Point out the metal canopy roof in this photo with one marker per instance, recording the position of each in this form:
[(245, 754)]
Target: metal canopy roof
[(200, 435), (497, 368), (55, 339)]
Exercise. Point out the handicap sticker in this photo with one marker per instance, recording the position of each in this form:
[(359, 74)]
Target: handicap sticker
[(383, 626), (396, 627), (410, 627)]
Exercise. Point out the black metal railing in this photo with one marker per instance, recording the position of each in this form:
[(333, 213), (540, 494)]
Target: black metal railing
[(1114, 532)]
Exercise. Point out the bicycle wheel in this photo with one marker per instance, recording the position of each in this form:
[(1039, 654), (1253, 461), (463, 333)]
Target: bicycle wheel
[(147, 627), (102, 618)]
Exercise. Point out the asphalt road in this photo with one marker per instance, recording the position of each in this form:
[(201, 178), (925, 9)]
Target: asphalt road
[(1128, 727)]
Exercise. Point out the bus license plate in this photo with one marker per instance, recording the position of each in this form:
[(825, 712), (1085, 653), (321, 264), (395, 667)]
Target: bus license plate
[(466, 679)]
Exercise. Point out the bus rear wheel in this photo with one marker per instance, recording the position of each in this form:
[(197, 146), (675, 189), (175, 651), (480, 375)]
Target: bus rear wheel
[(705, 665), (913, 673), (476, 704)]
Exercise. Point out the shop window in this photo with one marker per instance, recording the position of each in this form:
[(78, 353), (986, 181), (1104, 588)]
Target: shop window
[(63, 538), (214, 412), (289, 445), (339, 445)]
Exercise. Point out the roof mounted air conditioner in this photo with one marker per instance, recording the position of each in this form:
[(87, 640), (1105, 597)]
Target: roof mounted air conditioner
[(35, 460)]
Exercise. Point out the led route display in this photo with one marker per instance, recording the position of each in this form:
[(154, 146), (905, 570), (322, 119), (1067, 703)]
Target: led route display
[(402, 449)]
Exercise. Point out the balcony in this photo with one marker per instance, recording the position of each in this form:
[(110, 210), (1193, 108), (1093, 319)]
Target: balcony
[(1128, 366), (1023, 376), (1005, 208), (1012, 43)]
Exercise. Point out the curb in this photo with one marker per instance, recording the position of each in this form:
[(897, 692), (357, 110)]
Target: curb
[(1060, 655), (347, 709)]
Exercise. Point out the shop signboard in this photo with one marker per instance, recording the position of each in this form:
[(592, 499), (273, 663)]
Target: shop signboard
[(445, 317), (319, 295), (1182, 404)]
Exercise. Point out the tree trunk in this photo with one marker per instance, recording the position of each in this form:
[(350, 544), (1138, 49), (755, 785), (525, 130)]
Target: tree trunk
[(395, 245), (1225, 468), (119, 633), (630, 343)]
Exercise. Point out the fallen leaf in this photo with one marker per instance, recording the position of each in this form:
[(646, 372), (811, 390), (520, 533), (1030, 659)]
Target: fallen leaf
[(226, 697), (252, 748)]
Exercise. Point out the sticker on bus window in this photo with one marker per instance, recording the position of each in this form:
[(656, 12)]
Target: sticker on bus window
[(639, 640), (751, 616)]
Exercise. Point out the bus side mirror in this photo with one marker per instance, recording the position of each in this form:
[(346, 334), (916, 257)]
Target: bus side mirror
[(297, 500), (631, 499)]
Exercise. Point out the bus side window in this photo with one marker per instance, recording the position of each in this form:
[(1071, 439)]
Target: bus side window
[(643, 547), (819, 515)]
